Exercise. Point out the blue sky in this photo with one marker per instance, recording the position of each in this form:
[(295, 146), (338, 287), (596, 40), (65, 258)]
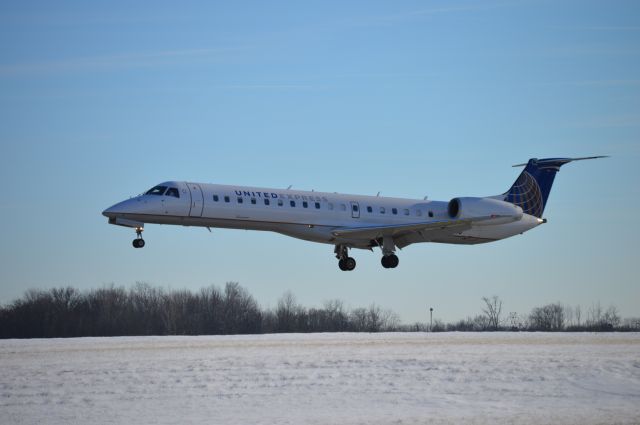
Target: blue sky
[(101, 100)]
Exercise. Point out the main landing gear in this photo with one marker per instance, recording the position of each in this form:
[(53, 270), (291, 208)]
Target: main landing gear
[(390, 261), (345, 262), (389, 258), (138, 242)]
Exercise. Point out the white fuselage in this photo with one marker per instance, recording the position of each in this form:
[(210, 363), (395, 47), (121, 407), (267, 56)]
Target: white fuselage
[(348, 221), (311, 216)]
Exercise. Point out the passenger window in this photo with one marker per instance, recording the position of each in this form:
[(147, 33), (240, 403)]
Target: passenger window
[(215, 198), (280, 203), (292, 203), (226, 199), (394, 210), (343, 207), (305, 204), (354, 207), (406, 211), (172, 191), (430, 213), (382, 210), (239, 200), (158, 190), (317, 205), (266, 201), (369, 209), (253, 201)]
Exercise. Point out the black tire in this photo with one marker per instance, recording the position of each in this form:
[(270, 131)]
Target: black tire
[(135, 243), (140, 243), (342, 264), (350, 263), (390, 261)]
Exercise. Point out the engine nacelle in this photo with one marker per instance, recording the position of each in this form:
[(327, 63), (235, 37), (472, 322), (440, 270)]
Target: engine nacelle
[(503, 212)]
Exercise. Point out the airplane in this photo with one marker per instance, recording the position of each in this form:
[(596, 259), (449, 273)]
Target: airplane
[(347, 221)]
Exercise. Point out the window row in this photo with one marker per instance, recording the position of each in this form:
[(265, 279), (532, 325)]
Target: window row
[(316, 205), (266, 201), (394, 211)]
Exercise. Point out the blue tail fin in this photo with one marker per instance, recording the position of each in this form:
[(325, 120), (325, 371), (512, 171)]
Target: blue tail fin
[(531, 190)]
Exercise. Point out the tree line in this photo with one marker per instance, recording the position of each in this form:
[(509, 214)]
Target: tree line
[(553, 317), (145, 310)]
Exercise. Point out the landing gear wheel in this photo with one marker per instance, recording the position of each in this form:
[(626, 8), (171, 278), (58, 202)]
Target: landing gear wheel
[(350, 262), (138, 242), (390, 261), (343, 265), (347, 264)]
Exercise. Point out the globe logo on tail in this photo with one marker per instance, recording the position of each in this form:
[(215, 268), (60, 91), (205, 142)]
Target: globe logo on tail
[(526, 194)]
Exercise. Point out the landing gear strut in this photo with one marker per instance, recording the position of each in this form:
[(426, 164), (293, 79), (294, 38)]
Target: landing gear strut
[(138, 242), (345, 262)]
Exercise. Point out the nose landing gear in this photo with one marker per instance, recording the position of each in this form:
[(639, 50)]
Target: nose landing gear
[(138, 242)]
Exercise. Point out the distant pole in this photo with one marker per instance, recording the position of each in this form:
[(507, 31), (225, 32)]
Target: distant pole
[(431, 319)]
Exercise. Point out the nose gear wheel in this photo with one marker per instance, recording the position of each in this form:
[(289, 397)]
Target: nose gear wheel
[(138, 242)]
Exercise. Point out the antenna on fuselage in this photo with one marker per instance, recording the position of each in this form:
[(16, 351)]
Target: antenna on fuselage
[(378, 194), (425, 197), (289, 187)]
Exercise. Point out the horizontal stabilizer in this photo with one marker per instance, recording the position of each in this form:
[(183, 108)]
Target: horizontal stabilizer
[(561, 161)]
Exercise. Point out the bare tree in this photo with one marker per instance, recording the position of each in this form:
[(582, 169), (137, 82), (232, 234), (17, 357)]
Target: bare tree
[(631, 323), (374, 322), (594, 315), (493, 310), (568, 315), (358, 319), (611, 318), (241, 312), (547, 318), (287, 312), (335, 316)]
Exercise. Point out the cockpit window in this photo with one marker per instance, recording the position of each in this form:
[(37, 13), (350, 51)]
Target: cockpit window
[(173, 192), (158, 190)]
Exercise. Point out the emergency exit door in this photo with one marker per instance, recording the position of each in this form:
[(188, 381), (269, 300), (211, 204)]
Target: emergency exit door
[(355, 210)]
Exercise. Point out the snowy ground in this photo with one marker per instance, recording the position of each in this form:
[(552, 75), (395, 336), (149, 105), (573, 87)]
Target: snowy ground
[(528, 378)]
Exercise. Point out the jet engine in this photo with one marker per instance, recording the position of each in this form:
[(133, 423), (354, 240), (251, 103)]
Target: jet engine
[(463, 208)]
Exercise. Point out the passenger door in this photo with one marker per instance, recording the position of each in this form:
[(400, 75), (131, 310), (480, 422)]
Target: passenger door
[(197, 200)]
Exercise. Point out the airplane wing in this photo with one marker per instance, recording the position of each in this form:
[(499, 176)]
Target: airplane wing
[(373, 232), (400, 231)]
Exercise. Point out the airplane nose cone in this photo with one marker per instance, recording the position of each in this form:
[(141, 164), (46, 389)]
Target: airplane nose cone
[(111, 211), (118, 209), (108, 212)]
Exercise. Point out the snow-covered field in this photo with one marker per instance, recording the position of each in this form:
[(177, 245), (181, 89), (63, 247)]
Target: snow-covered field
[(531, 378)]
